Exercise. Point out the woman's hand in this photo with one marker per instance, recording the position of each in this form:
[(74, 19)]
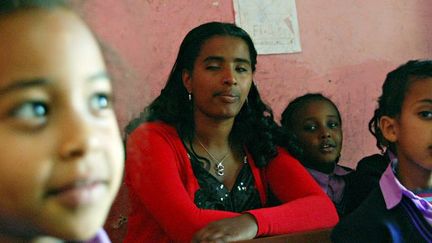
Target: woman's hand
[(243, 227)]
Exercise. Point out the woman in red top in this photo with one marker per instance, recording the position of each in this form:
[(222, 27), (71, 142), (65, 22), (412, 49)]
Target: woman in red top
[(202, 163)]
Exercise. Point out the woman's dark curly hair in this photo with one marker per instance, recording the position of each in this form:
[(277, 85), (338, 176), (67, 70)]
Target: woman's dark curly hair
[(10, 6), (289, 118), (254, 125), (394, 89)]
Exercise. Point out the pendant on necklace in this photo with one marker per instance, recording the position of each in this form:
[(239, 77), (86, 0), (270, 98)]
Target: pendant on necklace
[(219, 167)]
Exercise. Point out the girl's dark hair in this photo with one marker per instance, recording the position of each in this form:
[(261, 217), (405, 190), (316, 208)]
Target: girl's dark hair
[(289, 118), (10, 6), (253, 126), (394, 88), (116, 66)]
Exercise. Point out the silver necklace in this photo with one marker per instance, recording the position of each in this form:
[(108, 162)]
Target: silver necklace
[(219, 167)]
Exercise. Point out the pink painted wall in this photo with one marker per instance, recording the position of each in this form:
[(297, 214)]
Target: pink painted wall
[(347, 49)]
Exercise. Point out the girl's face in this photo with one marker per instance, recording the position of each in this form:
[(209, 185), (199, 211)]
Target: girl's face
[(412, 131), (319, 133), (61, 157), (221, 77)]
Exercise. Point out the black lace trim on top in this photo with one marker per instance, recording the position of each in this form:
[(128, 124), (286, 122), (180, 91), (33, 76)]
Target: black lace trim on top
[(214, 195)]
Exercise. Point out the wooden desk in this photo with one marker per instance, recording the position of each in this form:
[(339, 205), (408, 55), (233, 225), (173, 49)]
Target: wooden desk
[(321, 236)]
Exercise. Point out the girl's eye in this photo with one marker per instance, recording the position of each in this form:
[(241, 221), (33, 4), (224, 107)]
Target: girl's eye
[(31, 114), (425, 114), (333, 124), (31, 110), (309, 128), (100, 102)]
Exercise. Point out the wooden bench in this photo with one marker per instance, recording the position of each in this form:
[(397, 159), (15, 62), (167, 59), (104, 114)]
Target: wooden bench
[(320, 236)]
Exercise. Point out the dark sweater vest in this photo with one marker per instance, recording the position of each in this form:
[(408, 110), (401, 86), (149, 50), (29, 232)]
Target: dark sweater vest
[(372, 222)]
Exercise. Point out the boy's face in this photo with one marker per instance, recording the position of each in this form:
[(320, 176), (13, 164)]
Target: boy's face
[(319, 133), (61, 157), (412, 131)]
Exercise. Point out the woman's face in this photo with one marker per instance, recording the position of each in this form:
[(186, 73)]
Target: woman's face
[(319, 133), (221, 77), (61, 157)]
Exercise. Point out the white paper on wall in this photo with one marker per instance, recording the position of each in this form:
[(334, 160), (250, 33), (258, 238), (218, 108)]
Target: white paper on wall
[(272, 24)]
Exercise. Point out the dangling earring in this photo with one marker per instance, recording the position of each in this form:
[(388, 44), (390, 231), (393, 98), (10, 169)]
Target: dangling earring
[(190, 96)]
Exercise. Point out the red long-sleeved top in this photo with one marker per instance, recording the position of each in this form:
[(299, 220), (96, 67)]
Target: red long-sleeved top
[(162, 187)]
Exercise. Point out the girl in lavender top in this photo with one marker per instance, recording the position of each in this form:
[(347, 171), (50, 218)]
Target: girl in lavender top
[(313, 128), (399, 210), (61, 156)]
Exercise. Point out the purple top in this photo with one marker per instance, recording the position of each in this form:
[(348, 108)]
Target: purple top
[(393, 191), (101, 237), (332, 184)]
